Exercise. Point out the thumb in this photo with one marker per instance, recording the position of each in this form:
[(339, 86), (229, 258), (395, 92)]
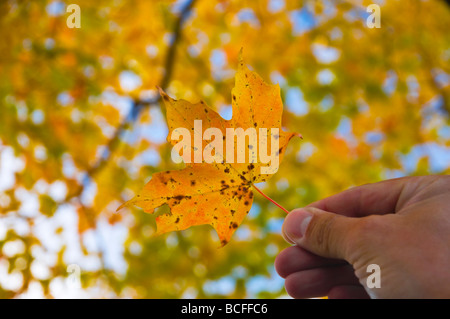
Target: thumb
[(322, 233)]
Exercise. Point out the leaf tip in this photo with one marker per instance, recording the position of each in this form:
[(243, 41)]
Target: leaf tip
[(223, 242), (240, 56), (163, 94), (121, 206), (126, 204)]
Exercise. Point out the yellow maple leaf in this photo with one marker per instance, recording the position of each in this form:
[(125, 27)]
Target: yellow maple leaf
[(218, 191)]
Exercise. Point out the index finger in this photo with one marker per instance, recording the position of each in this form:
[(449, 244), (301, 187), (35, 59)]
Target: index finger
[(378, 198)]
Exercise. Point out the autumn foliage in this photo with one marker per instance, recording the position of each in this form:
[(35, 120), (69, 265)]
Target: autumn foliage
[(83, 128)]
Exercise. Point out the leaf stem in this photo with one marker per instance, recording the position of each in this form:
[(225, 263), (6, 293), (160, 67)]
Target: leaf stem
[(267, 197)]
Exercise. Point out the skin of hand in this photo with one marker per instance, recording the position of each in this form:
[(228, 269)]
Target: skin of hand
[(402, 225)]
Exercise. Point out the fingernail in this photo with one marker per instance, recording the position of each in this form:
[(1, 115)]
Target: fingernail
[(304, 225), (296, 224)]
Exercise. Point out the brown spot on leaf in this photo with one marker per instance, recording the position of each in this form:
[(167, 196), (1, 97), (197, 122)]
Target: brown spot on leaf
[(279, 151), (180, 197)]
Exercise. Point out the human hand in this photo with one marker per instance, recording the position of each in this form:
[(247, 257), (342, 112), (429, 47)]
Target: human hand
[(402, 225)]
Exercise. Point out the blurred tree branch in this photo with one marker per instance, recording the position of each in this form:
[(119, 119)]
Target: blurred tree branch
[(139, 105), (136, 108), (113, 143)]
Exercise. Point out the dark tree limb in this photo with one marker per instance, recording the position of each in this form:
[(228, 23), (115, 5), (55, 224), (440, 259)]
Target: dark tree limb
[(138, 105)]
